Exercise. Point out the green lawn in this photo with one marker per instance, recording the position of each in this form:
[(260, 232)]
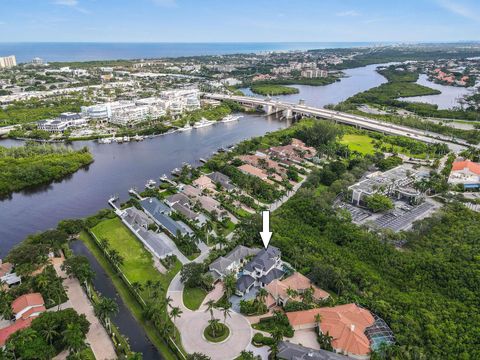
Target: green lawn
[(361, 143), (193, 297), (364, 145), (138, 262), (87, 354)]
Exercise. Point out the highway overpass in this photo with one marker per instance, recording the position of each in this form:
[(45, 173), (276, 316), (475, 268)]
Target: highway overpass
[(291, 110)]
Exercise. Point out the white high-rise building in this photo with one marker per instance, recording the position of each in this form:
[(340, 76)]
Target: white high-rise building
[(7, 62)]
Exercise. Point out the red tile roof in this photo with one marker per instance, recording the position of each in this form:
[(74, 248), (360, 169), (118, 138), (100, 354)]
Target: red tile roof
[(466, 164), (24, 301), (345, 323), (9, 330)]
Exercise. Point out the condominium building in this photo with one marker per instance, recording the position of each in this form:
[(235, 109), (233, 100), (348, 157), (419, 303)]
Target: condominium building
[(63, 122), (314, 73), (7, 62)]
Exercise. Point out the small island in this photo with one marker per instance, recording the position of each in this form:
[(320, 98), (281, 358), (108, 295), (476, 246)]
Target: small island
[(273, 89), (36, 164)]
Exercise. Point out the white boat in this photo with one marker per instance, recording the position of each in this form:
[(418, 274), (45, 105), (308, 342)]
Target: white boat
[(203, 123), (150, 184), (105, 141), (126, 138), (186, 128), (138, 138), (230, 118)]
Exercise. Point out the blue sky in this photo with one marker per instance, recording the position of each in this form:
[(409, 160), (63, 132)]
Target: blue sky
[(239, 20)]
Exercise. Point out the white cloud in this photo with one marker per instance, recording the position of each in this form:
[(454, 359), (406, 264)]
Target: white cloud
[(458, 8), (348, 13), (72, 3), (165, 3)]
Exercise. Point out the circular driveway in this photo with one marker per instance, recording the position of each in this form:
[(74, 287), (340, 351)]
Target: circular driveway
[(192, 323)]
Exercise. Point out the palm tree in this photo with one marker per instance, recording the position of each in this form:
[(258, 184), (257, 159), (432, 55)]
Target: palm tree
[(262, 295), (229, 284), (137, 287), (210, 306), (48, 330), (208, 228), (116, 258), (222, 241), (106, 308), (73, 337), (214, 326), (318, 319), (175, 313), (277, 336), (292, 293), (104, 244), (226, 312)]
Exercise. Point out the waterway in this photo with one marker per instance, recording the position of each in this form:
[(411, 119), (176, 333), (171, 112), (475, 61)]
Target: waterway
[(117, 168), (124, 320), (355, 81), (450, 96)]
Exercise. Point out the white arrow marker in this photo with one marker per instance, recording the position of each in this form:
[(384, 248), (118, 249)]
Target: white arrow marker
[(265, 233)]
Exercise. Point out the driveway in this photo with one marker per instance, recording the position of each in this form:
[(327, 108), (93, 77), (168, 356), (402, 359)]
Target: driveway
[(192, 323), (305, 337)]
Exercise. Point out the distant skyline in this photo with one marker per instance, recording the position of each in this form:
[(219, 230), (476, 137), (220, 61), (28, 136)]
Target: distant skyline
[(239, 21)]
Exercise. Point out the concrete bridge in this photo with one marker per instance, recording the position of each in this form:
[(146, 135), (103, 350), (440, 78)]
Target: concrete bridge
[(290, 110)]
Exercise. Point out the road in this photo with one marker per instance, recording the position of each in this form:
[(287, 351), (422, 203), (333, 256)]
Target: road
[(345, 118)]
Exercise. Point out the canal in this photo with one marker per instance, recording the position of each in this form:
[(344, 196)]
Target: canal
[(124, 320)]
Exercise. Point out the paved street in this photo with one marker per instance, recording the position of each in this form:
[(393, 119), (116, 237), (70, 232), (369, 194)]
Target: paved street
[(97, 336), (192, 323)]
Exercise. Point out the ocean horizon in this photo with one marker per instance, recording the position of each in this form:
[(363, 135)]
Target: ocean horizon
[(89, 51)]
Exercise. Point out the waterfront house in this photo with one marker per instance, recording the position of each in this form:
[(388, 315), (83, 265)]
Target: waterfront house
[(260, 173), (160, 212), (279, 289), (136, 218), (177, 199), (7, 276), (204, 182), (232, 262), (191, 192), (223, 180), (25, 308), (264, 267), (347, 325)]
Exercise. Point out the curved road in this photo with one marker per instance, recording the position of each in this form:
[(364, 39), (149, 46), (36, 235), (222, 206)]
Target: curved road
[(192, 323)]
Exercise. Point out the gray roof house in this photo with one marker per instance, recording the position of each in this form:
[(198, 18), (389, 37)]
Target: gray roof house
[(221, 179), (177, 199), (290, 351), (154, 206), (135, 217), (265, 267), (231, 262), (137, 221), (159, 212)]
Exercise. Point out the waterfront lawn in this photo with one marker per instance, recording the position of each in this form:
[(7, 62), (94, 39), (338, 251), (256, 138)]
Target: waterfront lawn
[(128, 298), (137, 261), (193, 297)]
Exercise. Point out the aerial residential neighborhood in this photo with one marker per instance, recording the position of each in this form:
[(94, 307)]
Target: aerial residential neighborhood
[(242, 180)]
